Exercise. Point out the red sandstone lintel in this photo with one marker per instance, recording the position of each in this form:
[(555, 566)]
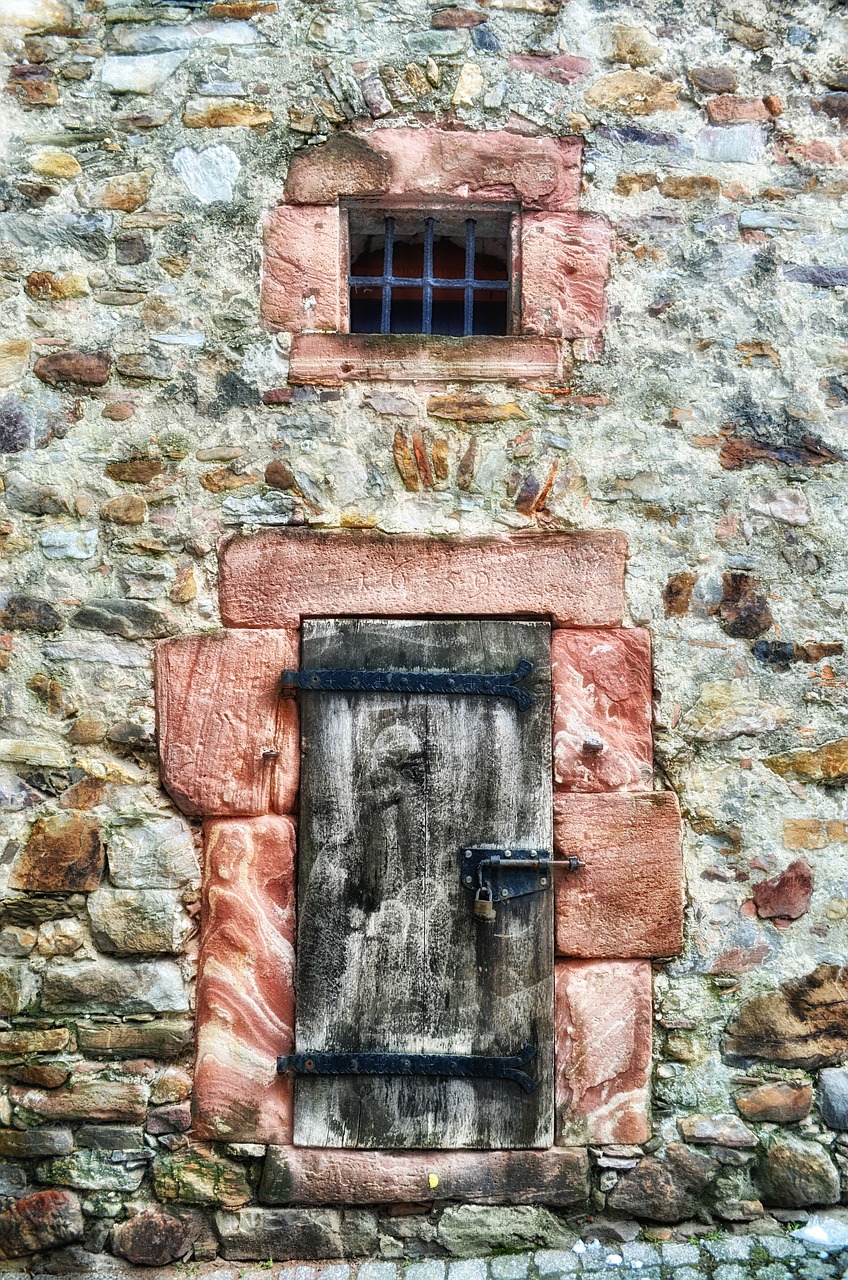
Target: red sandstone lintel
[(459, 164), (602, 687), (330, 359), (627, 900), (228, 743), (603, 1050), (302, 271), (275, 578), (245, 982)]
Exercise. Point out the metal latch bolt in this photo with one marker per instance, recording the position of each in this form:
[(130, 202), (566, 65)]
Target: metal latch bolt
[(498, 874)]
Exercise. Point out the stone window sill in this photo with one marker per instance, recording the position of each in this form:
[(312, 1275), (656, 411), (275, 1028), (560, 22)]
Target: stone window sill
[(333, 358)]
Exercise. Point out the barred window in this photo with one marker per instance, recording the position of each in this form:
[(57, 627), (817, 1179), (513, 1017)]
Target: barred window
[(442, 273)]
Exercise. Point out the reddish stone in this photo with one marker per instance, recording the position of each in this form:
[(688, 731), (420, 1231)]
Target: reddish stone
[(603, 1021), (739, 452), (228, 744), (44, 1075), (173, 1118), (677, 593), (34, 85), (83, 368), (786, 895), (714, 79), (602, 688), (64, 854), (564, 261), (278, 475), (135, 470), (576, 578), (85, 1099), (775, 1103), (245, 986), (302, 276), (627, 899), (743, 612), (564, 68), (540, 172), (44, 1220), (317, 1176), (332, 359), (152, 1238), (729, 109), (455, 19)]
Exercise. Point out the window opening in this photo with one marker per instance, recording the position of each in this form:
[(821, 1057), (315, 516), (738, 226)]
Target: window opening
[(436, 275)]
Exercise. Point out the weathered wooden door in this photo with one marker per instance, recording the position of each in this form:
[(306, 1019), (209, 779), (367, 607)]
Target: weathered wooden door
[(390, 956)]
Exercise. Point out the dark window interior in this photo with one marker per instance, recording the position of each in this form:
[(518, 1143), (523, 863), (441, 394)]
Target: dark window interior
[(410, 273)]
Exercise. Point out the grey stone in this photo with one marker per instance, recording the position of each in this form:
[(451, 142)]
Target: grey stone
[(89, 233), (680, 1255), (92, 1170), (431, 1270), (635, 1251), (23, 424), (141, 73), (68, 544), (472, 1269), (729, 1248), (144, 365), (259, 508), (437, 44), (510, 1266), (554, 1262), (153, 855), (111, 1137), (13, 1181), (104, 655), (468, 1230), (686, 1273), (154, 38), (114, 986), (26, 1144), (23, 494), (130, 619), (19, 986), (210, 174), (306, 1233), (377, 1271), (138, 921), (734, 144)]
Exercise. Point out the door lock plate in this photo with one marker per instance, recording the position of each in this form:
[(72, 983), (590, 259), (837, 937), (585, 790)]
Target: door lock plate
[(496, 874)]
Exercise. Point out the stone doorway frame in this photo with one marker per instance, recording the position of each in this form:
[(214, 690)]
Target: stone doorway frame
[(229, 754)]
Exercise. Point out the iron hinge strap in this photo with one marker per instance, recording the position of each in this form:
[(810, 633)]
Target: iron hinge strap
[(449, 1065), (454, 682)]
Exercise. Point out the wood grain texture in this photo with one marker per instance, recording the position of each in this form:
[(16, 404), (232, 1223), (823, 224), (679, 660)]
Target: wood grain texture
[(275, 578), (306, 1175), (334, 358), (627, 899), (390, 957), (245, 981), (218, 708)]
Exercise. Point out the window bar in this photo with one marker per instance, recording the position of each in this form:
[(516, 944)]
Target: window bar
[(388, 267), (427, 282), (468, 317)]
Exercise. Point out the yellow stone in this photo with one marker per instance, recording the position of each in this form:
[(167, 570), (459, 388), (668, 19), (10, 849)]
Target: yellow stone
[(53, 162), (633, 93), (634, 46), (35, 15), (14, 358), (468, 86), (827, 763), (224, 113)]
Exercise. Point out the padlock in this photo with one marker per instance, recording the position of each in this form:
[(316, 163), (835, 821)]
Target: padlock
[(484, 907)]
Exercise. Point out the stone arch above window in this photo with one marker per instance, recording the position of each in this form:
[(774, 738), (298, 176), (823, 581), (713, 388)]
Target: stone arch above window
[(558, 256)]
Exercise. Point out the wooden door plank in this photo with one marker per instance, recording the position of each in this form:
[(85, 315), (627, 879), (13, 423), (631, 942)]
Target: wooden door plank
[(390, 957)]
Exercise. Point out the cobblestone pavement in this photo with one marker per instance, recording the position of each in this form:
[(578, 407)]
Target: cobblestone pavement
[(724, 1257)]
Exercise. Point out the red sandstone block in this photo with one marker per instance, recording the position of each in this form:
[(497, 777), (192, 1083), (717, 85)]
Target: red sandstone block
[(331, 359), (602, 688), (730, 109), (302, 272), (603, 1020), (308, 1175), (541, 173), (565, 261), (245, 983), (218, 712), (575, 578), (627, 900)]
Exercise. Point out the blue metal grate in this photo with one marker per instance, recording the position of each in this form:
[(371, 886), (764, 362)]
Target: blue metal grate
[(427, 281)]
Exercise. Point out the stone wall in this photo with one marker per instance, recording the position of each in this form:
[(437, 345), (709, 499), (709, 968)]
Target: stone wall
[(145, 411)]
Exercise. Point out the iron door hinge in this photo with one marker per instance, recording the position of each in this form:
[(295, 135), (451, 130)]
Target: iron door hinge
[(456, 682), (449, 1065)]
